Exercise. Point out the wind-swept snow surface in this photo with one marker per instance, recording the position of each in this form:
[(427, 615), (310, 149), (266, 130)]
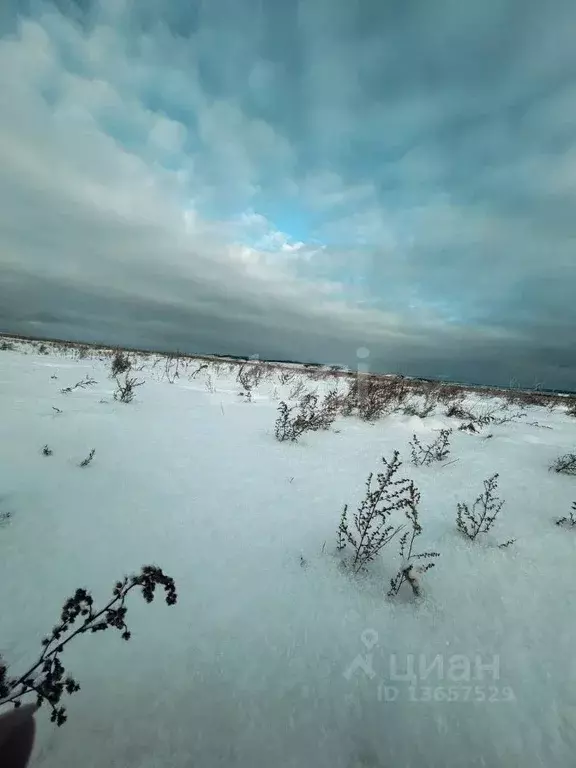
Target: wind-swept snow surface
[(274, 656)]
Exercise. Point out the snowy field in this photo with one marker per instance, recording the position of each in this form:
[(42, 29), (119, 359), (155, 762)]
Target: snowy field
[(273, 655)]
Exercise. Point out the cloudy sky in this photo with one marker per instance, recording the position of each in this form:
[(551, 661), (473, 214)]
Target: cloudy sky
[(295, 179)]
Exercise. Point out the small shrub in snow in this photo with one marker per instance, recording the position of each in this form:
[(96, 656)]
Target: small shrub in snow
[(297, 390), (87, 381), (120, 364), (536, 397), (43, 349), (372, 396), (448, 393), (469, 427), (286, 377), (490, 416), (306, 416), (331, 406), (482, 516), (380, 396), (172, 368), (516, 416), (565, 464), (436, 451), (570, 520), (456, 411), (371, 529), (124, 391), (88, 459), (285, 426), (6, 346), (46, 679), (47, 451), (5, 516), (249, 377), (201, 367), (483, 418), (351, 398), (410, 410), (413, 409), (412, 566), (486, 416), (422, 410)]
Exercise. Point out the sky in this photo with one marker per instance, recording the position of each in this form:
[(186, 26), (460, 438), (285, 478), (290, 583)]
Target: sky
[(295, 180)]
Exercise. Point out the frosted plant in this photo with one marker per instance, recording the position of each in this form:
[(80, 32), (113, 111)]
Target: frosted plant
[(47, 678), (436, 451), (482, 516)]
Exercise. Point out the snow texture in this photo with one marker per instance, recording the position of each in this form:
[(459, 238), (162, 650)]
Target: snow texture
[(273, 655)]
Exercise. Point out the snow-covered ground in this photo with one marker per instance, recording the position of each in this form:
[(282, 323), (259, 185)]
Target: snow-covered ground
[(273, 656)]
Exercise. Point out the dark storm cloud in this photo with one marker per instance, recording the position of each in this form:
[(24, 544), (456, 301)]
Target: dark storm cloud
[(295, 180)]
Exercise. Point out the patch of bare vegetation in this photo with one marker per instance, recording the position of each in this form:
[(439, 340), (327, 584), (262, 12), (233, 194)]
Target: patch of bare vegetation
[(310, 414), (565, 464), (473, 420), (438, 450), (371, 397), (87, 381), (570, 520), (201, 367), (481, 516), (249, 377), (47, 680), (120, 364), (362, 537), (413, 564), (88, 460), (172, 367), (422, 406), (125, 388)]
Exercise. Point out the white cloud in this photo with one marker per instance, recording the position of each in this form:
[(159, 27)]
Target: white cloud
[(103, 188), (168, 135), (80, 206), (327, 190)]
